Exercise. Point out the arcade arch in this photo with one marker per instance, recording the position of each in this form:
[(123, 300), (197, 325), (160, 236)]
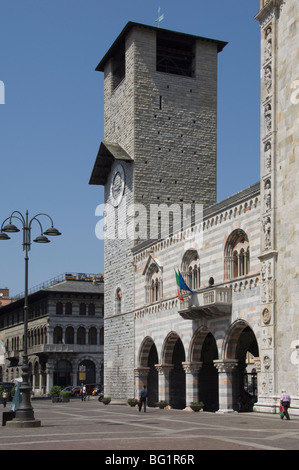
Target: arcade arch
[(173, 354), (206, 374), (147, 372), (241, 346)]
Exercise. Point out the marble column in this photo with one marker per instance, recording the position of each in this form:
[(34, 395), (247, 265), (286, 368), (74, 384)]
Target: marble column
[(141, 375), (191, 369), (225, 371), (49, 376), (164, 371)]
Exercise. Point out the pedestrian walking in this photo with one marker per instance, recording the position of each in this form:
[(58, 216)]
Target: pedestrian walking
[(142, 399), (4, 398), (285, 401)]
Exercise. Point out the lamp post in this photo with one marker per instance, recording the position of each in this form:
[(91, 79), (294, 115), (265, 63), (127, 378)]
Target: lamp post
[(24, 416)]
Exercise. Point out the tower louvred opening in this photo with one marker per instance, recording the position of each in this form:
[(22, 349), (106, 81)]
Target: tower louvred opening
[(175, 56)]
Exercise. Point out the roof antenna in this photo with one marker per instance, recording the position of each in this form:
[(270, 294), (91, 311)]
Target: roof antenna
[(160, 17)]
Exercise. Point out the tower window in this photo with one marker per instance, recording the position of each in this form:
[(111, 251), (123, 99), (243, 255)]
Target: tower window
[(118, 298), (175, 56), (119, 66), (160, 102)]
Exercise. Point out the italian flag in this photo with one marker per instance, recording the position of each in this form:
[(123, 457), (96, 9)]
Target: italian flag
[(178, 286), (181, 285)]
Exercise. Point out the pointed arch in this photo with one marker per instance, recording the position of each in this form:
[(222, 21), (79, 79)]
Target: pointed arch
[(144, 351), (173, 353), (168, 347), (236, 255), (190, 268), (153, 280), (232, 337), (241, 345), (147, 359), (197, 343)]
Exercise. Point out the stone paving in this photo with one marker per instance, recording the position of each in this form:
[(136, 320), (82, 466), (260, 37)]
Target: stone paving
[(92, 425)]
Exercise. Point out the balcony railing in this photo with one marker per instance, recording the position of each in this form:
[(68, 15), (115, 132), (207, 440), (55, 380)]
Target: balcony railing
[(212, 302)]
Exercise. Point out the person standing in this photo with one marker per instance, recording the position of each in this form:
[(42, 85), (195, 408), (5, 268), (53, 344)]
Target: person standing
[(4, 398), (142, 398), (285, 401)]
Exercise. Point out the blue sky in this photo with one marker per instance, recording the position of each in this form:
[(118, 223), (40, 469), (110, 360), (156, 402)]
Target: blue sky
[(51, 124)]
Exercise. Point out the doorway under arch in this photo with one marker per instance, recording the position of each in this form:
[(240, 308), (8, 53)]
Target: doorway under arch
[(90, 372), (243, 346), (148, 357), (208, 375), (62, 373), (174, 353), (204, 350)]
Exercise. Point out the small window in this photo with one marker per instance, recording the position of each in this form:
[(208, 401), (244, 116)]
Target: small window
[(118, 298), (81, 335), (59, 308), (69, 335), (68, 308), (57, 335), (92, 336)]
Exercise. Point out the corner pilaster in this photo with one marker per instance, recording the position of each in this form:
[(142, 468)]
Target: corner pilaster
[(268, 18)]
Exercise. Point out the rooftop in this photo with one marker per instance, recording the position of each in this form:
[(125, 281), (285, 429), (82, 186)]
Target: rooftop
[(119, 40), (67, 282)]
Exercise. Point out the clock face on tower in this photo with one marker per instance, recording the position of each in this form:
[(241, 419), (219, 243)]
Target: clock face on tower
[(118, 185)]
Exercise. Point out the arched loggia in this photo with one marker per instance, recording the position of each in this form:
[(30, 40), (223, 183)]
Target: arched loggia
[(241, 345), (148, 358), (174, 354), (204, 351)]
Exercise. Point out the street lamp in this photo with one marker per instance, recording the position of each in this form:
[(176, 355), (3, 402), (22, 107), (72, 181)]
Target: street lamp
[(24, 416)]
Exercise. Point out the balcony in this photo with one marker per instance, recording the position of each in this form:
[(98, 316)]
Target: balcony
[(211, 302), (12, 354)]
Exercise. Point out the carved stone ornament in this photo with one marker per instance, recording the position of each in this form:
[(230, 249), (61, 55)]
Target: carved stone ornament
[(192, 367), (267, 194), (164, 369), (118, 185), (267, 232), (268, 44), (268, 78), (268, 118), (226, 366), (266, 316), (267, 362), (268, 157)]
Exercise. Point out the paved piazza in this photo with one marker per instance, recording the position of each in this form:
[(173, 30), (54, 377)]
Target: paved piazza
[(91, 425)]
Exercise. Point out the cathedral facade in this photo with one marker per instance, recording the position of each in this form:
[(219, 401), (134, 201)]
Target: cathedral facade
[(200, 296)]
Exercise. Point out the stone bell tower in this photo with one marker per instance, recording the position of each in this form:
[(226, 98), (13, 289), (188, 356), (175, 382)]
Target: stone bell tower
[(279, 256), (160, 108)]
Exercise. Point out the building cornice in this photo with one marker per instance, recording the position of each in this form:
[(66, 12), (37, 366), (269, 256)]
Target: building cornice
[(266, 7)]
